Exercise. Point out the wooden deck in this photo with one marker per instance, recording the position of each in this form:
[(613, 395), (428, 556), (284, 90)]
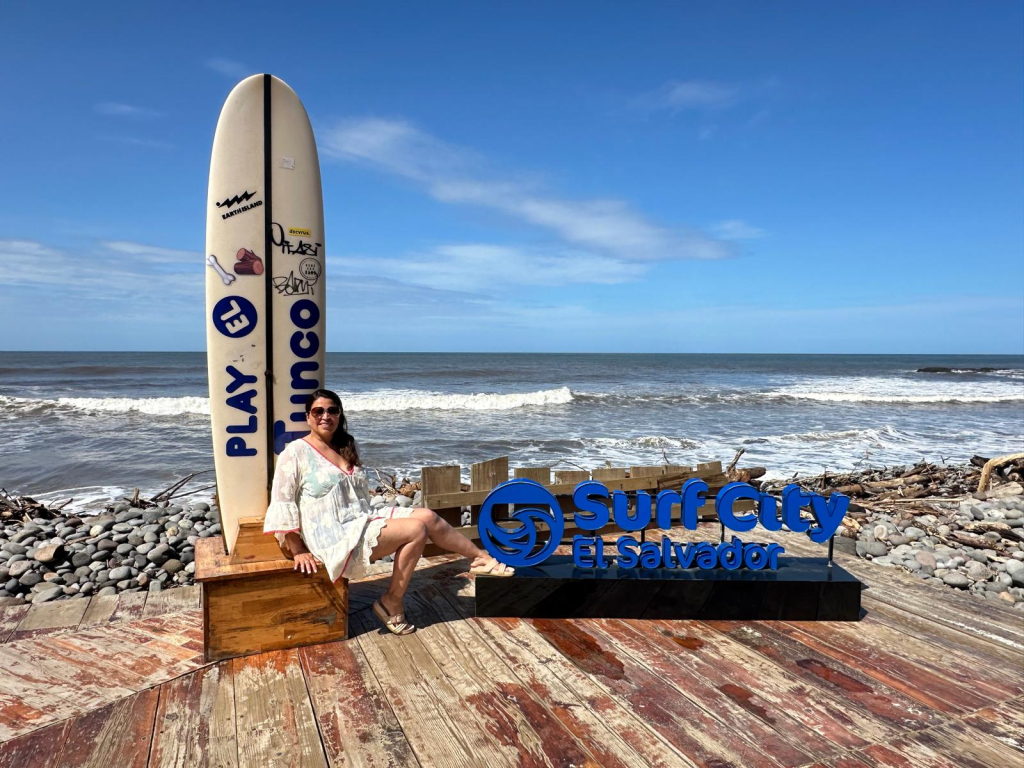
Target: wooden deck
[(929, 677)]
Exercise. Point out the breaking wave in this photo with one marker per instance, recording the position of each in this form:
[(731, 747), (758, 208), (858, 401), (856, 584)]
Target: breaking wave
[(354, 403)]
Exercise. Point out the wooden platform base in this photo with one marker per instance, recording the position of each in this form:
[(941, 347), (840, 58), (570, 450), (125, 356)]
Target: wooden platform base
[(254, 607), (802, 589)]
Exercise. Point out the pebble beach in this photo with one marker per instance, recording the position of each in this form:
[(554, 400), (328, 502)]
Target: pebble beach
[(126, 548)]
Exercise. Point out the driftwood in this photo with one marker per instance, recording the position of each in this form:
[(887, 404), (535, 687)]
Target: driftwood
[(996, 463), (25, 507)]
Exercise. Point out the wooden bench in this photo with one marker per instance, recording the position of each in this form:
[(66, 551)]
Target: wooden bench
[(443, 493), (254, 600)]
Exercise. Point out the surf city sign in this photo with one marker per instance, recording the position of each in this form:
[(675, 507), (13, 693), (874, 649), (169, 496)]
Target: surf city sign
[(533, 504)]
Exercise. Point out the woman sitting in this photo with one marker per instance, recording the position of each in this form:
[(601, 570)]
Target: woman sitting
[(320, 511)]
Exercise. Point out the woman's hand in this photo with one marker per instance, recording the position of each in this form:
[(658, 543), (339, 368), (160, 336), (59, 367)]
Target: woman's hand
[(307, 562)]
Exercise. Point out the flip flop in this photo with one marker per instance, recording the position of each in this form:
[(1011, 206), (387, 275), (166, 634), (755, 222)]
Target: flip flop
[(396, 625), (493, 568)]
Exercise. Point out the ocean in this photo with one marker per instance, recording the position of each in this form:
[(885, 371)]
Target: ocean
[(93, 426)]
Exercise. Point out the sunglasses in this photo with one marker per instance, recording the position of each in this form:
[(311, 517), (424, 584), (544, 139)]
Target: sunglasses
[(318, 412)]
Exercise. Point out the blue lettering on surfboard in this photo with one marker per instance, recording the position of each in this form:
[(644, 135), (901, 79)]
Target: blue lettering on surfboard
[(304, 372), (242, 401)]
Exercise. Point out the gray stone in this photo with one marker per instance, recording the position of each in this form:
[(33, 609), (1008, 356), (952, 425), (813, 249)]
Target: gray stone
[(173, 566), (47, 596), (159, 554), (101, 556), (117, 574), (144, 549), (926, 558), (152, 515), (155, 586), (377, 501), (30, 579), (107, 591), (124, 549), (403, 501), (898, 539), (202, 506), (876, 549), (1015, 570), (15, 549), (956, 579), (978, 572), (20, 568), (107, 545), (913, 532)]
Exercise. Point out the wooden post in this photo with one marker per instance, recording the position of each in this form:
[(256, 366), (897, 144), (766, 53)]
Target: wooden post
[(438, 480)]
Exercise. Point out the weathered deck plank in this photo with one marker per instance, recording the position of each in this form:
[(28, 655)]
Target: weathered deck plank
[(176, 600), (850, 687), (50, 617), (970, 746), (595, 718), (762, 686), (699, 736), (357, 725), (118, 734), (715, 689), (505, 707), (10, 617), (38, 749), (195, 722), (903, 673), (938, 604), (868, 640), (440, 728), (943, 636), (274, 721), (1002, 722)]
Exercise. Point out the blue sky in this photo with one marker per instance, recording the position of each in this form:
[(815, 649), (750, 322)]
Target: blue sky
[(677, 177)]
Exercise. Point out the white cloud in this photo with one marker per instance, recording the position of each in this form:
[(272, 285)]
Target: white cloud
[(137, 142), (229, 68), (115, 109), (455, 175), (481, 267), (689, 95), (137, 272), (734, 229), (152, 253)]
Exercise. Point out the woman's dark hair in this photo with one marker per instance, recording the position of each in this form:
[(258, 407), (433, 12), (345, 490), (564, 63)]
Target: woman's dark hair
[(341, 440)]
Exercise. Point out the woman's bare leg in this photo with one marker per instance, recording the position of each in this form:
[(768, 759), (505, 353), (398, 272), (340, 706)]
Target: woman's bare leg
[(447, 538), (405, 538)]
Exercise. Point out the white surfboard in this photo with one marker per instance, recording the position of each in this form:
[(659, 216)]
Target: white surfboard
[(265, 302)]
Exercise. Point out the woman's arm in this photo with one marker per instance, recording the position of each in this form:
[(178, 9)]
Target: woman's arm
[(283, 518)]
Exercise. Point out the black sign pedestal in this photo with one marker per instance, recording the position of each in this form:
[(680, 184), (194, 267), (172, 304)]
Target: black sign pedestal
[(802, 589)]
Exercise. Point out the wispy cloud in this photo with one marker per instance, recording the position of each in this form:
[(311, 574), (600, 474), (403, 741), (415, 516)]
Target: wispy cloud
[(109, 269), (135, 141), (482, 267), (734, 229), (457, 175), (115, 109), (151, 253), (229, 68), (678, 95)]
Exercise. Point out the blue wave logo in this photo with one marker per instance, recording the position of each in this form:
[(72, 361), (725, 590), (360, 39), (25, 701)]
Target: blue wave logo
[(517, 546)]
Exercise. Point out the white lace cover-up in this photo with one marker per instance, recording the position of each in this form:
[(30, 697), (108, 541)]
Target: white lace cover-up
[(328, 507)]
